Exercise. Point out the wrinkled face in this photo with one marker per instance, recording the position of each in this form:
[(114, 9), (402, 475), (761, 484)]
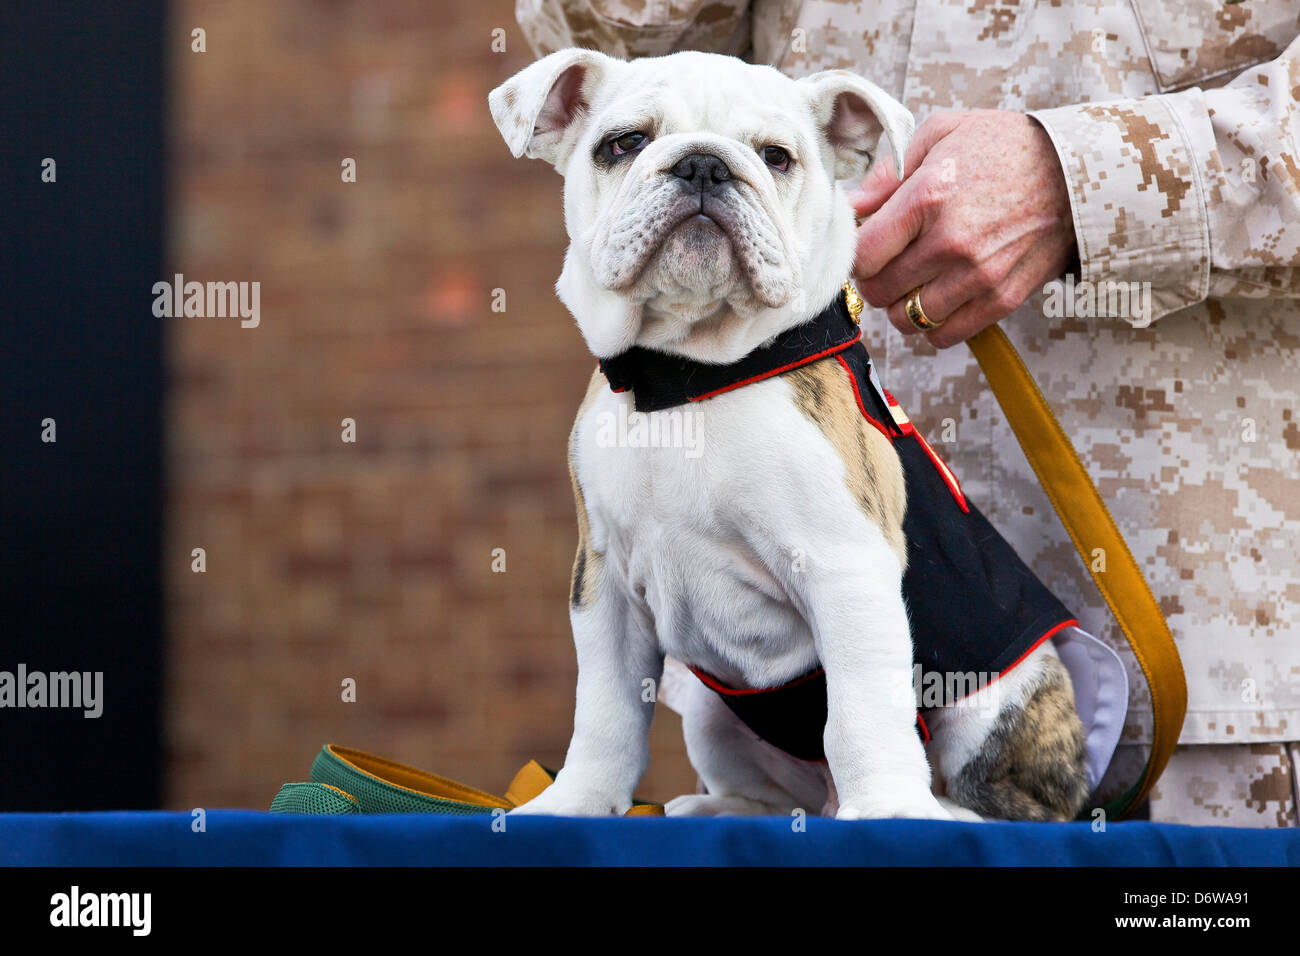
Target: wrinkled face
[(691, 191), (700, 191)]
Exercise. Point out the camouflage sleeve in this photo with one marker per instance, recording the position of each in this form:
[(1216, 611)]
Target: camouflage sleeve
[(1196, 192), (632, 28)]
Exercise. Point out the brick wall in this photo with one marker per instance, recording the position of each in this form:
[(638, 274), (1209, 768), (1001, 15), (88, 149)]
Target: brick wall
[(328, 560)]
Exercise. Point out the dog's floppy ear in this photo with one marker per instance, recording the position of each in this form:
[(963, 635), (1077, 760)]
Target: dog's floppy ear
[(853, 113), (535, 108)]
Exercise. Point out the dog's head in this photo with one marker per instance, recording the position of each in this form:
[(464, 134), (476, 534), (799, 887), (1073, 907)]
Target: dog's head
[(700, 191)]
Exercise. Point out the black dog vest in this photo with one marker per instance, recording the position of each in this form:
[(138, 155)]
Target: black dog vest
[(973, 605)]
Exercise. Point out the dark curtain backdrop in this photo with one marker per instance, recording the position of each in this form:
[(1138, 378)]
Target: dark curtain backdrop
[(80, 519)]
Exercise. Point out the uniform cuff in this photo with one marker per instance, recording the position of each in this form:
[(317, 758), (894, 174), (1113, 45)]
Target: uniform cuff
[(1137, 197)]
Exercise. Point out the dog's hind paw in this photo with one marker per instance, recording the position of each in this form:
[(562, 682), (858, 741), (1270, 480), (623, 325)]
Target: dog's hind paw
[(716, 805), (921, 806), (958, 812)]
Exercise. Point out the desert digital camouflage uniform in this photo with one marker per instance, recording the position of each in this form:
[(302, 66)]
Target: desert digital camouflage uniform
[(1174, 121)]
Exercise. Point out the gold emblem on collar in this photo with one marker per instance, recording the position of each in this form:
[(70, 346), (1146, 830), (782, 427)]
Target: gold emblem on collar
[(853, 301)]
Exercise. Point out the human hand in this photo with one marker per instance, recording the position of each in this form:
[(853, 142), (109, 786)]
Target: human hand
[(981, 221)]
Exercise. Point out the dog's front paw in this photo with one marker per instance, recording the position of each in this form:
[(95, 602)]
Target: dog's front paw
[(885, 801), (558, 800)]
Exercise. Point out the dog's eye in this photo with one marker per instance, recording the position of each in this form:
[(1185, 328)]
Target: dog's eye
[(776, 157), (626, 143)]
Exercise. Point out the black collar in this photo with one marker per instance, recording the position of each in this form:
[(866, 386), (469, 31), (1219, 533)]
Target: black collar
[(659, 381)]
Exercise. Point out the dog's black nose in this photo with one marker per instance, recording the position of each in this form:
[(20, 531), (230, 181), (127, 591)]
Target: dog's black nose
[(702, 170)]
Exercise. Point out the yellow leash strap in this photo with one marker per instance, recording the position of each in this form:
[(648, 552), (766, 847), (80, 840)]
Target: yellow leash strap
[(1090, 526), (361, 782)]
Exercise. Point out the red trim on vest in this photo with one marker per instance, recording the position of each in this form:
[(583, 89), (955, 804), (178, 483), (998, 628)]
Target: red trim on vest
[(945, 472), (833, 350), (858, 395), (714, 684), (905, 427), (1072, 622), (722, 688)]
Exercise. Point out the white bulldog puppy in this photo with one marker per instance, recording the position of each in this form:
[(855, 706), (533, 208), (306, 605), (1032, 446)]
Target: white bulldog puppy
[(706, 220)]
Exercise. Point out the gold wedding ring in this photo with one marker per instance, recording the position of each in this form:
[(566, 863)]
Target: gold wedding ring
[(916, 315)]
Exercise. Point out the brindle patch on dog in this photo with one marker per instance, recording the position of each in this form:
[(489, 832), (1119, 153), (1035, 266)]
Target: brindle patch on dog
[(1033, 763), (872, 471), (586, 563)]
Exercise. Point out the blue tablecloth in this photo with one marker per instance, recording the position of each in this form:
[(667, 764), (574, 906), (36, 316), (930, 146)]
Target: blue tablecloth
[(248, 838)]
